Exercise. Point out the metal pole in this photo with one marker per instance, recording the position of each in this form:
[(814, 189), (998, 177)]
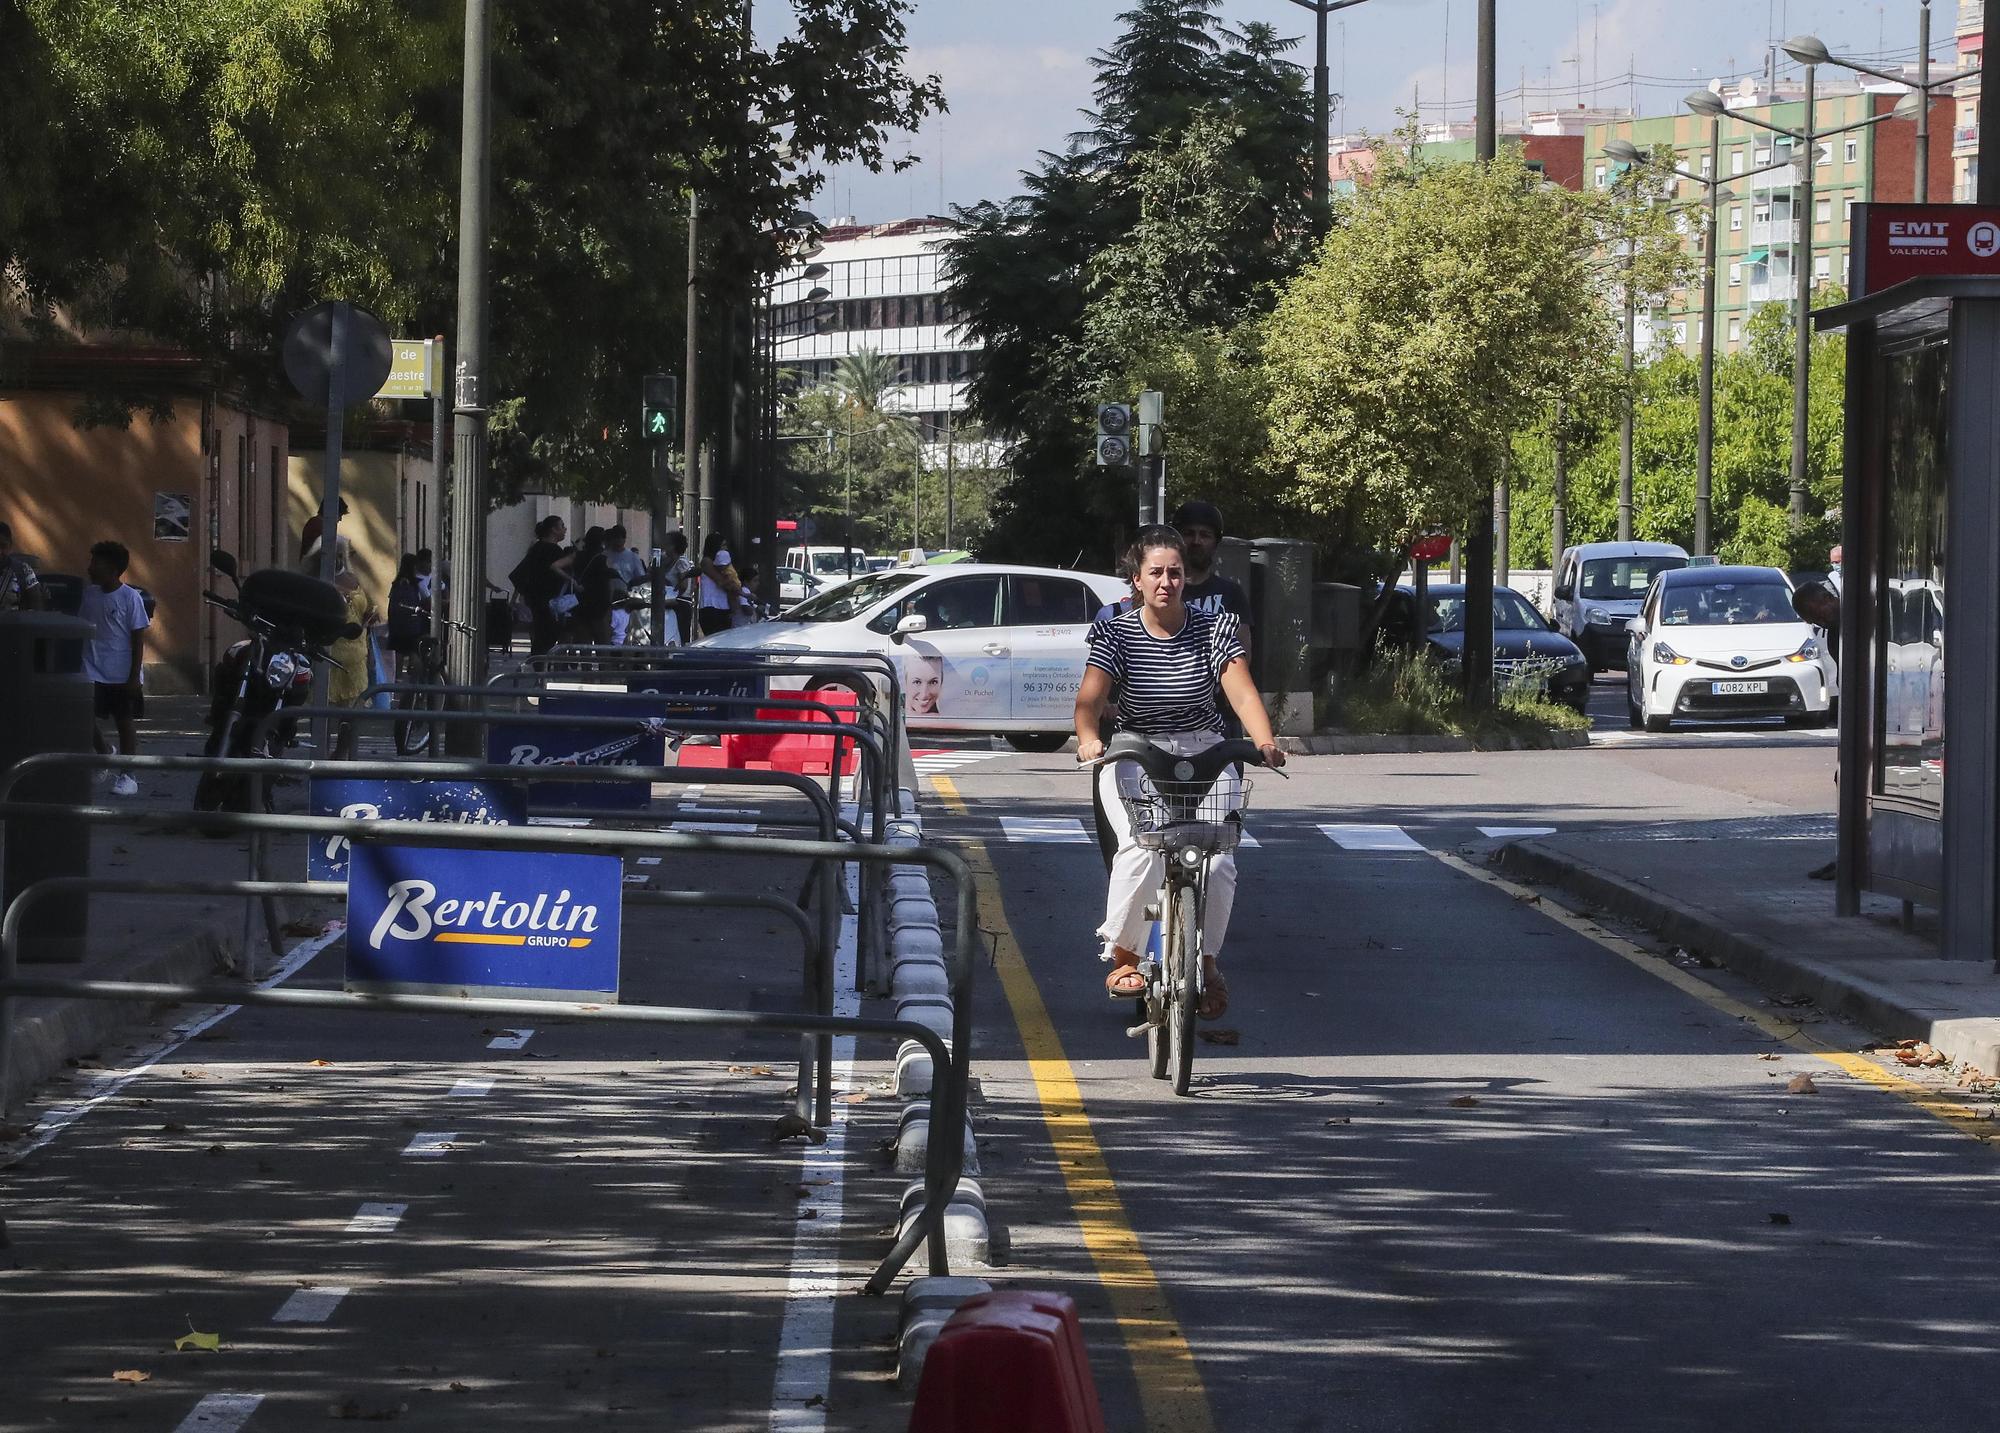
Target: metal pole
[(1502, 522), (465, 645), (440, 469), (1922, 189), (329, 500), (1704, 452), (847, 526), (690, 387), (1559, 517), (1476, 663), (948, 513), (1802, 215), (1625, 402), (1322, 107)]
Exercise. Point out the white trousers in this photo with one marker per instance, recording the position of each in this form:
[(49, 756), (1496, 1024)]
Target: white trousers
[(1136, 871), (621, 623)]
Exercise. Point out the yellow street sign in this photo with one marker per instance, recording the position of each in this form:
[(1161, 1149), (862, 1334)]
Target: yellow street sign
[(410, 374)]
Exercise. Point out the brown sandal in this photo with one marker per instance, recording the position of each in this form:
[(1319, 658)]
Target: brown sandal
[(1214, 995), (1124, 982)]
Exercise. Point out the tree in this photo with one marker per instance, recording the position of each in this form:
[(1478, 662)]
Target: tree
[(1449, 304)]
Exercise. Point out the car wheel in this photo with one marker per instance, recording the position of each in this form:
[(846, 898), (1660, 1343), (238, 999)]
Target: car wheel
[(1037, 741), (1634, 713)]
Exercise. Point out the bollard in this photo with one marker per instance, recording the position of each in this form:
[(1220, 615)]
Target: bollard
[(1008, 1362)]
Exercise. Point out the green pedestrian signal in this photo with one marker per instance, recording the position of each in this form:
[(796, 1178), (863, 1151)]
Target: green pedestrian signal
[(660, 402)]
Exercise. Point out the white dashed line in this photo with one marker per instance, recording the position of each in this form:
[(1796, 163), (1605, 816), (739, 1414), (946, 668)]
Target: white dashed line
[(377, 1218), (635, 880), (510, 1039), (1370, 838), (221, 1413), (1515, 833), (472, 1088), (1059, 830), (310, 1306), (649, 860), (430, 1145)]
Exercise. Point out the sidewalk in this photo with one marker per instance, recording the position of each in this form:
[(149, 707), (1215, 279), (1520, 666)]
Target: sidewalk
[(1737, 893)]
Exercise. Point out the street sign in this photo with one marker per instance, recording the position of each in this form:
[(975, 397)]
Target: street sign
[(308, 354), (1431, 548), (1921, 241), (538, 925), (415, 369), (479, 803), (517, 744)]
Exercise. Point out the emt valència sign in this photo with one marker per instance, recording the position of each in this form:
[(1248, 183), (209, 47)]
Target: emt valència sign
[(534, 924), (464, 803)]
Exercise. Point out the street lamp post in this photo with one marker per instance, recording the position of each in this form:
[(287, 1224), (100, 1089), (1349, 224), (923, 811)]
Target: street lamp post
[(1322, 99), (1809, 50), (1629, 153), (1476, 647)]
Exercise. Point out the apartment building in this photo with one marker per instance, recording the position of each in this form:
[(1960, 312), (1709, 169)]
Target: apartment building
[(1761, 234), (1971, 34)]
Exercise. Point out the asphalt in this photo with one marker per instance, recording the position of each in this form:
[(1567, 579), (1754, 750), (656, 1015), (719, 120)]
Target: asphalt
[(1463, 1163)]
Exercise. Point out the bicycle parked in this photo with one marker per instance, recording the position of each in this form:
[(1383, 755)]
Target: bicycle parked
[(1190, 810), (423, 667)]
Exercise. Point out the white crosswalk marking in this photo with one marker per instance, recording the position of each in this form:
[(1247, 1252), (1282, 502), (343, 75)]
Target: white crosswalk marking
[(431, 1145), (931, 763), (310, 1306), (1362, 837), (220, 1413), (1515, 833), (510, 1039), (1057, 830), (376, 1218), (473, 1087)]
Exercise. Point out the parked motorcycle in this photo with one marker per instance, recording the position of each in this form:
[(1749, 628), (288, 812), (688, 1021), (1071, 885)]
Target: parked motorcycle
[(291, 618)]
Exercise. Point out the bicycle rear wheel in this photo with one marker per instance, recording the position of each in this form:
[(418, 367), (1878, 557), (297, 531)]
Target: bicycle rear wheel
[(1183, 986), (414, 736)]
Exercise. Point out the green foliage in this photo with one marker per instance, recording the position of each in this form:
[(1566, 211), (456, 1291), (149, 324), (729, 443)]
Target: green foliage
[(1448, 306), (1406, 693)]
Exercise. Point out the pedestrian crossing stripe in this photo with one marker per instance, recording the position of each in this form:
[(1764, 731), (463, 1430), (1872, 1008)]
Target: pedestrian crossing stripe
[(1351, 836), (929, 762), (1051, 830), (1516, 833)]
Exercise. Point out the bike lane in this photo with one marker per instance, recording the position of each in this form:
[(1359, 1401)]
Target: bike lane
[(1463, 1161)]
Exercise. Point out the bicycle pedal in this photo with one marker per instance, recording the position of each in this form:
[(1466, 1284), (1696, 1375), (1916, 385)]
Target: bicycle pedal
[(1135, 1032)]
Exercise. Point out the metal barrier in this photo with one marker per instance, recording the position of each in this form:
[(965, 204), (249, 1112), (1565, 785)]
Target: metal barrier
[(944, 1157), (815, 1092)]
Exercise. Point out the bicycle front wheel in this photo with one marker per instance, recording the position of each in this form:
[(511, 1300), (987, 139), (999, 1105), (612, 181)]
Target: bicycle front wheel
[(414, 736), (1183, 986)]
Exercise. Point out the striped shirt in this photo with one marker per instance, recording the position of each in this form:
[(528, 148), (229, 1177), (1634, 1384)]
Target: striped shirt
[(1166, 684)]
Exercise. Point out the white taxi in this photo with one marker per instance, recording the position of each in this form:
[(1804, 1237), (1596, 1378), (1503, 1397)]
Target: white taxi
[(1721, 643), (981, 647)]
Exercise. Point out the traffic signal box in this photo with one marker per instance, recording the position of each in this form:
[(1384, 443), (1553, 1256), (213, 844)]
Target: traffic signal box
[(659, 411), (1114, 435)]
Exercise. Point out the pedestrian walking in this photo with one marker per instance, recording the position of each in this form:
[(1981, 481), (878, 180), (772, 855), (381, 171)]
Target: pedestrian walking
[(19, 587), (718, 587), (629, 568), (114, 658), (309, 545), (678, 581), (590, 620), (409, 614), (350, 675), (540, 577)]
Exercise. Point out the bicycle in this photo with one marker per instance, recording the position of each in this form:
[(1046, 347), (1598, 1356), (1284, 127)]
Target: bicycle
[(425, 667), (1179, 811)]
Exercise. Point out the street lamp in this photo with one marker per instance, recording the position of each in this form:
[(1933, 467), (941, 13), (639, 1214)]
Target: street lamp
[(1321, 160), (1626, 152), (1809, 50), (1804, 156)]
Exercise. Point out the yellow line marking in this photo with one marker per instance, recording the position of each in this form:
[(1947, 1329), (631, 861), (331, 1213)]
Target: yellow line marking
[(1170, 1387), (1958, 1116), (947, 791), (463, 938)]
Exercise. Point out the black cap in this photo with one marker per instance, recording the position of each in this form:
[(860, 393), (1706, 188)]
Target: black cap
[(1203, 514)]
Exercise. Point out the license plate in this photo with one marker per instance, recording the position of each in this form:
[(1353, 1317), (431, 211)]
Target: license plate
[(1742, 689)]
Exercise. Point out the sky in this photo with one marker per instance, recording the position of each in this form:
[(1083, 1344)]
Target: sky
[(1015, 72)]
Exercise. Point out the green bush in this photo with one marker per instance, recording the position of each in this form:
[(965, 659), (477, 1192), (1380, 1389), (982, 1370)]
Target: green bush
[(1406, 694)]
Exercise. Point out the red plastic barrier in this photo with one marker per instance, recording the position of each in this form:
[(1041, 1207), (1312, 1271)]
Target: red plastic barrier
[(796, 751), (1011, 1362)]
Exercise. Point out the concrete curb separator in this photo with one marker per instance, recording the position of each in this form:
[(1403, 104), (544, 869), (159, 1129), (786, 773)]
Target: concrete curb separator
[(1835, 988), (928, 1304), (1338, 744), (49, 1033)]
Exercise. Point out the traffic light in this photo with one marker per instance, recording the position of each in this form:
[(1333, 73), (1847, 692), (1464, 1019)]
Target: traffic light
[(1114, 435), (658, 411)]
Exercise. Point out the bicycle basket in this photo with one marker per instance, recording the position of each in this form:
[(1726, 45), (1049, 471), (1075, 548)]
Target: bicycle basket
[(1174, 815)]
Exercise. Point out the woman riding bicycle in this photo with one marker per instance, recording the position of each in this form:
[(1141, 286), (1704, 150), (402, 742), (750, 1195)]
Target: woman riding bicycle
[(1168, 662)]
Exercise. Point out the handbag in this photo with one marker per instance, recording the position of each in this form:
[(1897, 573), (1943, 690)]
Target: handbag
[(564, 602)]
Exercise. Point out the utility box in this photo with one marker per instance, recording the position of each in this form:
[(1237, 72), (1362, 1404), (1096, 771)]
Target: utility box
[(1281, 594), (46, 705), (1232, 560)]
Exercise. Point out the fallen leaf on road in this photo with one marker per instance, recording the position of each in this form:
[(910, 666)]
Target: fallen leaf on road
[(457, 1387), (1222, 1037), (215, 1149), (1768, 1055), (206, 1342), (131, 1375), (818, 1400), (319, 1064), (1465, 1102), (859, 1097), (1801, 1085)]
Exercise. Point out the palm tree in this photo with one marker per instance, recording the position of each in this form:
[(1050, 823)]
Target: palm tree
[(867, 376)]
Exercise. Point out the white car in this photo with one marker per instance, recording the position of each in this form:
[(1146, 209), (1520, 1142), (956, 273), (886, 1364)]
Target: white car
[(1721, 643), (795, 585), (981, 648)]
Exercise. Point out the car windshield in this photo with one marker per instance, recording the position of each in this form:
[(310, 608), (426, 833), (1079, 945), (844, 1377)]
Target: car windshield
[(851, 599), (1727, 604), (1511, 612), (833, 563), (1623, 579)]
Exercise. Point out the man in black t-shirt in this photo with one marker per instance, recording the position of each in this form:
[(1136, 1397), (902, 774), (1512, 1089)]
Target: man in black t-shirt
[(1200, 525)]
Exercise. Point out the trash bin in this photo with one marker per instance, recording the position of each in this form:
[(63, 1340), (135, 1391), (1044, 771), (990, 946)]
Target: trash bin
[(1281, 593), (45, 705)]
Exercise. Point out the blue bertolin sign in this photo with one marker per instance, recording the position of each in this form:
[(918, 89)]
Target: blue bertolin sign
[(437, 921), (512, 744), (717, 684), (470, 803)]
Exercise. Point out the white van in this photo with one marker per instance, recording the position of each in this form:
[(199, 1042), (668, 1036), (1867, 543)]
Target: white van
[(1598, 589), (829, 564)]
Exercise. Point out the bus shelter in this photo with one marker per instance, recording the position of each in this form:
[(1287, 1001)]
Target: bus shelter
[(1921, 539)]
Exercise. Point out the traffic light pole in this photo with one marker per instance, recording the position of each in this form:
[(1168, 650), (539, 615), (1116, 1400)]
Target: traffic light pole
[(465, 645)]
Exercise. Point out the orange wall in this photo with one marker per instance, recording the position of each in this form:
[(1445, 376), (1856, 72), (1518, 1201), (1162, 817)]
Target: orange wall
[(64, 488)]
